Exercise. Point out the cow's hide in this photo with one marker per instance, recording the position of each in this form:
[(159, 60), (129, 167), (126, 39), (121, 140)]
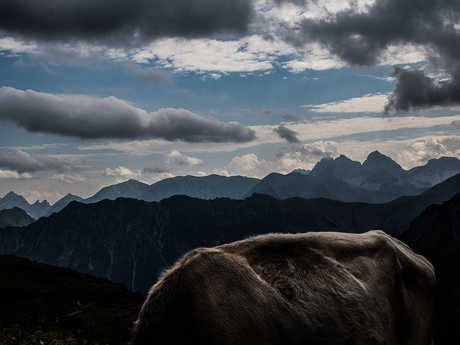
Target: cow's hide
[(313, 288)]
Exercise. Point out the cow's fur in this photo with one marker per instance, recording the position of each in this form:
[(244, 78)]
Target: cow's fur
[(314, 288)]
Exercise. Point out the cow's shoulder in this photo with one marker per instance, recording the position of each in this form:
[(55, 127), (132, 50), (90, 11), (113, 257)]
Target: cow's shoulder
[(373, 260)]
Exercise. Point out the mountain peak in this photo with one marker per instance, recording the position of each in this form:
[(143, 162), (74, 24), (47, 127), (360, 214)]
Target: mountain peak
[(377, 156), (13, 197), (131, 182), (43, 203), (341, 167), (379, 160), (71, 196)]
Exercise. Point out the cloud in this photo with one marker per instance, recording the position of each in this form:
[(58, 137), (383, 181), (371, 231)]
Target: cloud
[(305, 156), (318, 149), (426, 149), (248, 54), (123, 22), (10, 174), (178, 158), (156, 170), (15, 46), (149, 75), (366, 104), (71, 179), (359, 37), (286, 133), (330, 128), (93, 118), (33, 195), (363, 36), (416, 91), (248, 165), (23, 162), (122, 174), (287, 116)]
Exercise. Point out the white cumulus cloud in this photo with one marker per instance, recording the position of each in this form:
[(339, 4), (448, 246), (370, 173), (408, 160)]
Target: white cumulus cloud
[(366, 104), (178, 158), (122, 174), (10, 174), (69, 178)]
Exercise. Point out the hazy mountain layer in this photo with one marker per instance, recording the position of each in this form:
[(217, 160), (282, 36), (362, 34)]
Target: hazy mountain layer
[(206, 187), (378, 180), (62, 203), (313, 186), (14, 217), (129, 189), (35, 210)]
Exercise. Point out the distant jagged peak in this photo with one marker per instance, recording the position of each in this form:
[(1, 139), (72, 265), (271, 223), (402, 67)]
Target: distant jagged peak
[(41, 203), (19, 200), (340, 167), (377, 157), (344, 158), (12, 197), (344, 162), (326, 164), (378, 160)]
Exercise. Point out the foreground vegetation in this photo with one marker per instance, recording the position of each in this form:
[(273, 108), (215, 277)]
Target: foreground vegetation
[(42, 305)]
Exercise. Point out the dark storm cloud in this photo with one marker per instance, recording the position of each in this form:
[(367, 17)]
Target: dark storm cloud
[(286, 133), (414, 91), (93, 118), (22, 162), (123, 22), (360, 38)]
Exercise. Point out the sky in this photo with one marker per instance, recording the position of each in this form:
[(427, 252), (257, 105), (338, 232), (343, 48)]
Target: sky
[(97, 92)]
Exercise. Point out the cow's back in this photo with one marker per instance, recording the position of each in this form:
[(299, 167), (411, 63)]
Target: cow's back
[(315, 288)]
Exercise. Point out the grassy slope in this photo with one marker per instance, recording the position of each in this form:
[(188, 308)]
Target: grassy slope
[(61, 302)]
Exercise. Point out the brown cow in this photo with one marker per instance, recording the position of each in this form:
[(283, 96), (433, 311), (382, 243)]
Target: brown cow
[(313, 288)]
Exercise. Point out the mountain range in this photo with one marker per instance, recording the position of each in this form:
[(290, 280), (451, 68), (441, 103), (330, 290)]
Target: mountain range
[(131, 241), (378, 179)]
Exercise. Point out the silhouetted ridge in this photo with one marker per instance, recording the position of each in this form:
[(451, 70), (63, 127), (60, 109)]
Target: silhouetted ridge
[(435, 234)]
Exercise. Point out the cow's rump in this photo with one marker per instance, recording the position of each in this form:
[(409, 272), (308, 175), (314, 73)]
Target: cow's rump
[(313, 288)]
